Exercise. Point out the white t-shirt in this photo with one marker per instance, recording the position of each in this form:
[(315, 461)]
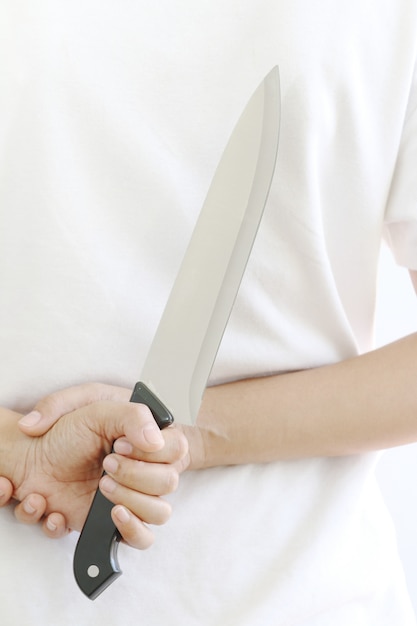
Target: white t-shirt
[(113, 117)]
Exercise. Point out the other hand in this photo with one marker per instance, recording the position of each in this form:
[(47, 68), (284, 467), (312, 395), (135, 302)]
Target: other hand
[(144, 470)]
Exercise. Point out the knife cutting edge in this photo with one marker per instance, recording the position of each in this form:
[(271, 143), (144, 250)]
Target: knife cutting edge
[(184, 347)]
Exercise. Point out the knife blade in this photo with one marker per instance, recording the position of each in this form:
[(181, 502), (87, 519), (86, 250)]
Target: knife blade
[(184, 347)]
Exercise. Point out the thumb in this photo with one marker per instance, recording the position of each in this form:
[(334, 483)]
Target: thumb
[(134, 421), (49, 409)]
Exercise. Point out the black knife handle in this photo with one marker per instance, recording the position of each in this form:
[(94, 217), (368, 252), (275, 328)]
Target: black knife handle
[(144, 395), (95, 558)]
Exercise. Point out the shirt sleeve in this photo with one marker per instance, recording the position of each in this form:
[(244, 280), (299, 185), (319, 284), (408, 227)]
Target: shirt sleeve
[(401, 212)]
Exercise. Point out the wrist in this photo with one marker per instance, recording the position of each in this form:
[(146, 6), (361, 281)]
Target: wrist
[(211, 441), (197, 447)]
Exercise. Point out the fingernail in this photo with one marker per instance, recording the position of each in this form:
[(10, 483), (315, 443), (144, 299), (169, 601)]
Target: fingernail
[(107, 484), (31, 419), (121, 514), (51, 526), (153, 435), (28, 508), (110, 464)]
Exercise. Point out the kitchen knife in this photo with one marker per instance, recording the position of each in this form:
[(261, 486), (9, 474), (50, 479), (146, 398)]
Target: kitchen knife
[(183, 350)]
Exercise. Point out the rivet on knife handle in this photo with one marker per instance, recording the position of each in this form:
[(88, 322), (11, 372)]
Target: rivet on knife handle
[(95, 559), (189, 332)]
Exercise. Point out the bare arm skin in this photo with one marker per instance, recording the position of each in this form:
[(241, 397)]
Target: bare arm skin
[(365, 403)]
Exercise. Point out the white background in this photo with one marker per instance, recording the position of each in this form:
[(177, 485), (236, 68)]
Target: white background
[(397, 470)]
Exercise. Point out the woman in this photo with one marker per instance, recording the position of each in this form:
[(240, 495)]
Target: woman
[(115, 122)]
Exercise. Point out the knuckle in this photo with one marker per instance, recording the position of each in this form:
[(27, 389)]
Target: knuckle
[(92, 392), (5, 491), (171, 479), (164, 513), (184, 447), (179, 445), (140, 409), (94, 389), (139, 539), (52, 404), (136, 533)]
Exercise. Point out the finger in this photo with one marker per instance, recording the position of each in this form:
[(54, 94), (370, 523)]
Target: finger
[(174, 450), (112, 420), (156, 479), (6, 491), (133, 530), (149, 509), (31, 509), (52, 407), (54, 526)]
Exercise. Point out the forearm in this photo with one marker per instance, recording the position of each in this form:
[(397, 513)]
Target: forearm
[(362, 404)]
